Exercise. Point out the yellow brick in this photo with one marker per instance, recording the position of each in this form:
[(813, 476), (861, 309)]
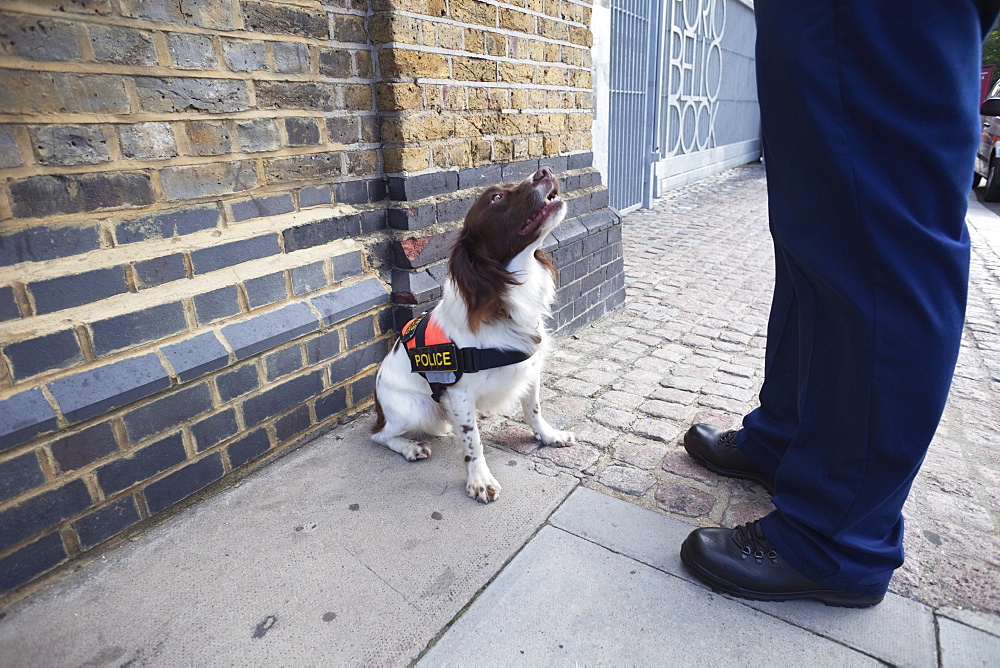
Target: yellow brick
[(581, 36), (581, 79), (481, 152), (479, 98), (520, 148), (474, 11), (454, 98), (552, 7), (518, 99), (552, 76), (551, 146), (579, 122), (392, 130), (585, 100), (536, 98), (585, 141), (405, 29), (551, 123), (360, 163), (452, 155), (535, 148), (499, 98), (517, 47), (357, 97), (494, 44), (405, 159), (552, 53), (427, 7), (517, 72), (503, 150), (511, 19), (395, 96), (474, 41), (398, 63), (449, 36), (380, 28), (585, 13), (535, 5), (473, 69)]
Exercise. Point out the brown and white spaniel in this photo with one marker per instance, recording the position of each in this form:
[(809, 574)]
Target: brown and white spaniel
[(500, 289)]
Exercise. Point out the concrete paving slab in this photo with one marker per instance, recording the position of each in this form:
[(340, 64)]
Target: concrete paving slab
[(341, 553), (984, 621), (567, 601), (898, 630), (965, 647)]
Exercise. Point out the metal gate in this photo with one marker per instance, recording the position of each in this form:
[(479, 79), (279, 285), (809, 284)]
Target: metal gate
[(633, 82)]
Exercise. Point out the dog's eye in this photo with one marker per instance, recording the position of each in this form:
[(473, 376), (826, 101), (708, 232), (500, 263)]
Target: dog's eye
[(496, 198)]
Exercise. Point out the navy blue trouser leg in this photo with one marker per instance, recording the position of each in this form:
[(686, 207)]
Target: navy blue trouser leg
[(869, 119)]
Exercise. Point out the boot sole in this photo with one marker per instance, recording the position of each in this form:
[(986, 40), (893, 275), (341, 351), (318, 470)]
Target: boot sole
[(830, 597), (743, 475)]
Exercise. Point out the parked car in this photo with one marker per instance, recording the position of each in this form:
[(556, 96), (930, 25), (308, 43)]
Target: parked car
[(988, 157)]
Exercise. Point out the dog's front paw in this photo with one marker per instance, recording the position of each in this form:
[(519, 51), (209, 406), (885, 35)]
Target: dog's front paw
[(557, 438), (484, 489), (414, 451)]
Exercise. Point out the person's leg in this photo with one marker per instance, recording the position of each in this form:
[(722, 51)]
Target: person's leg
[(869, 113)]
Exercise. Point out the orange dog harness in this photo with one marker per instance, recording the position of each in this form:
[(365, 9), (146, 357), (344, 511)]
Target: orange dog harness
[(442, 363)]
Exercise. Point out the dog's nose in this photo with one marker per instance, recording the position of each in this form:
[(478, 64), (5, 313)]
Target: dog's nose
[(543, 173)]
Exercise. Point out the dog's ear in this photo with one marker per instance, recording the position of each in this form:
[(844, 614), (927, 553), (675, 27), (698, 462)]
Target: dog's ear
[(480, 278)]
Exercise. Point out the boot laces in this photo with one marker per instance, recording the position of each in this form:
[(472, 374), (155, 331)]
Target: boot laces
[(753, 543), (727, 439)]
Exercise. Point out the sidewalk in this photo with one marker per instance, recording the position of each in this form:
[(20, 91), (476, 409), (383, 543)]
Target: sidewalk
[(342, 553)]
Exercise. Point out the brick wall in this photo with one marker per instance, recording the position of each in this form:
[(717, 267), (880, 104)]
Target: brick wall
[(214, 214)]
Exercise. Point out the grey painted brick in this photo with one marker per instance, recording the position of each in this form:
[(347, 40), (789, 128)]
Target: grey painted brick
[(215, 429), (570, 231), (308, 278), (302, 131), (95, 391), (10, 154), (558, 164), (342, 129), (424, 185), (174, 223), (434, 248), (351, 192), (183, 483), (291, 57), (321, 232), (331, 404), (44, 353), (132, 329), (194, 357), (270, 330), (48, 195), (147, 141), (84, 447), (265, 289), (578, 206), (412, 218), (237, 382), (281, 398), (292, 424), (122, 46), (189, 94), (191, 52), (479, 177), (23, 416), (56, 294), (599, 199), (518, 171), (363, 389), (106, 522), (323, 347), (141, 465), (385, 321), (36, 38), (217, 304), (168, 412), (454, 209), (359, 332), (211, 259), (414, 287), (42, 93), (42, 512), (314, 196), (282, 363), (283, 19), (8, 304), (208, 180), (248, 448), (347, 265), (350, 301), (353, 362), (264, 206), (258, 135), (580, 160), (244, 56), (594, 243), (373, 220), (202, 13), (160, 270), (24, 565), (20, 475), (66, 145)]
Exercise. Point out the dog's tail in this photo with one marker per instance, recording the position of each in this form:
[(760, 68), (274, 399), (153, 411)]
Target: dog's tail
[(379, 416)]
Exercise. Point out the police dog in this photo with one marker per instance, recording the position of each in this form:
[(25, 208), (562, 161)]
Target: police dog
[(484, 345)]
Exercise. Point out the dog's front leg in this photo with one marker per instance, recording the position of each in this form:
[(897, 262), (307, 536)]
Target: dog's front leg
[(480, 483), (532, 408)]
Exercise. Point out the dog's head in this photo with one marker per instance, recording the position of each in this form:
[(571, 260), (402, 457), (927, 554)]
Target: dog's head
[(503, 222)]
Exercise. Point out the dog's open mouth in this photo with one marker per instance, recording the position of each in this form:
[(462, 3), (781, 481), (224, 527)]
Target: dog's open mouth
[(549, 206)]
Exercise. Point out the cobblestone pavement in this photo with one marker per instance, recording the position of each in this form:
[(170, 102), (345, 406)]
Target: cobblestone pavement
[(688, 346)]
